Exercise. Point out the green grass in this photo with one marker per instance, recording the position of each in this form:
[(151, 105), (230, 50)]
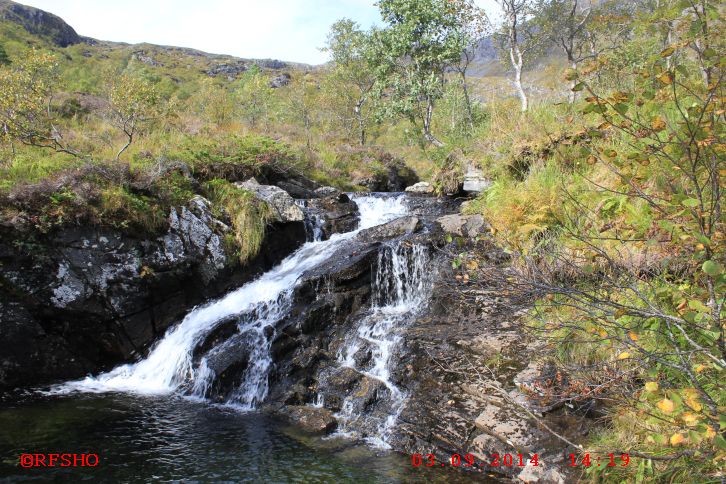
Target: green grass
[(249, 217)]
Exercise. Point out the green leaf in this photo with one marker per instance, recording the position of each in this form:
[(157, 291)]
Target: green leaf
[(720, 442), (621, 108), (698, 306), (690, 202), (579, 87), (667, 52), (712, 268)]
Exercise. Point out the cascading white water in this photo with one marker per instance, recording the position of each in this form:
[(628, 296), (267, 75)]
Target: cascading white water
[(169, 366), (401, 287)]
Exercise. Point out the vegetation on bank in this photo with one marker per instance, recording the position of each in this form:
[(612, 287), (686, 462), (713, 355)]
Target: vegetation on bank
[(607, 187)]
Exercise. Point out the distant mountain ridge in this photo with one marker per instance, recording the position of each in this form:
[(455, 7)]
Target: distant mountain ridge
[(58, 32)]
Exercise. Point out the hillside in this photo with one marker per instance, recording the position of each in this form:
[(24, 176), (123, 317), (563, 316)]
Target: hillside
[(22, 26)]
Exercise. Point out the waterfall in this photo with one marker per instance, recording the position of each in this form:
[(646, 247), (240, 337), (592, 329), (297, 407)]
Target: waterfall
[(257, 305), (313, 222), (402, 285)]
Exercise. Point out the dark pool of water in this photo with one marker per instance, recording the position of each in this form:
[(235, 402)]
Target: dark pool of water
[(143, 439)]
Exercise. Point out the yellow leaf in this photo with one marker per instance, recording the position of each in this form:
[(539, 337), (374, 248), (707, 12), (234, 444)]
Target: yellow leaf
[(623, 355), (710, 433), (677, 439), (690, 418), (666, 78), (699, 368), (603, 333), (658, 124), (651, 386), (633, 336), (694, 404), (666, 406)]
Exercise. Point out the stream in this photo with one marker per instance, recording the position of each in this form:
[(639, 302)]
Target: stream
[(155, 418)]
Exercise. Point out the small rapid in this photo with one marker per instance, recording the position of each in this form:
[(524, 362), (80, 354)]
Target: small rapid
[(401, 287), (170, 367)]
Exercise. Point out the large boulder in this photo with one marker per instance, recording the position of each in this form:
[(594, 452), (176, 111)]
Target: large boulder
[(462, 225), (313, 419), (421, 188), (283, 205), (394, 229), (280, 81), (338, 213)]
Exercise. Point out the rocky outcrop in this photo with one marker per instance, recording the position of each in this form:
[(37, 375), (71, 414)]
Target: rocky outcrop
[(474, 181), (463, 225), (282, 204), (461, 364), (39, 22), (85, 298), (280, 81), (228, 69)]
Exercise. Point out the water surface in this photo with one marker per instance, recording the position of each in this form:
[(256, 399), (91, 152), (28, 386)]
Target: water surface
[(163, 439)]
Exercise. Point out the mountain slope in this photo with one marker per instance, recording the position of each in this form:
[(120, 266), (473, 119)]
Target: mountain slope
[(39, 22)]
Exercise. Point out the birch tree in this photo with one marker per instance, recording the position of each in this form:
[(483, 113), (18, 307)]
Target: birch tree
[(422, 39), (566, 22), (349, 48), (519, 38), (133, 103)]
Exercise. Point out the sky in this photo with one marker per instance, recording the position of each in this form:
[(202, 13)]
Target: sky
[(290, 30)]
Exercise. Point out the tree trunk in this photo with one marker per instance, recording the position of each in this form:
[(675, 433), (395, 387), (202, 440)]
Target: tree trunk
[(516, 57), (128, 143), (467, 100), (427, 125), (361, 124), (572, 95)]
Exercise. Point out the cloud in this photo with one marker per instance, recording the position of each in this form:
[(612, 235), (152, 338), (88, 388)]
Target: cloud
[(291, 30)]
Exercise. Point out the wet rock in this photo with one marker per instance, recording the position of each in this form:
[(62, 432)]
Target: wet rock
[(324, 192), (396, 228), (462, 225), (339, 212), (224, 331), (283, 205), (422, 188), (297, 394), (29, 349), (342, 380), (228, 363), (312, 419), (366, 394)]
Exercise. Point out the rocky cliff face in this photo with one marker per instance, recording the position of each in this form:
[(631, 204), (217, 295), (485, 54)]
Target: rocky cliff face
[(84, 298), (39, 22)]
